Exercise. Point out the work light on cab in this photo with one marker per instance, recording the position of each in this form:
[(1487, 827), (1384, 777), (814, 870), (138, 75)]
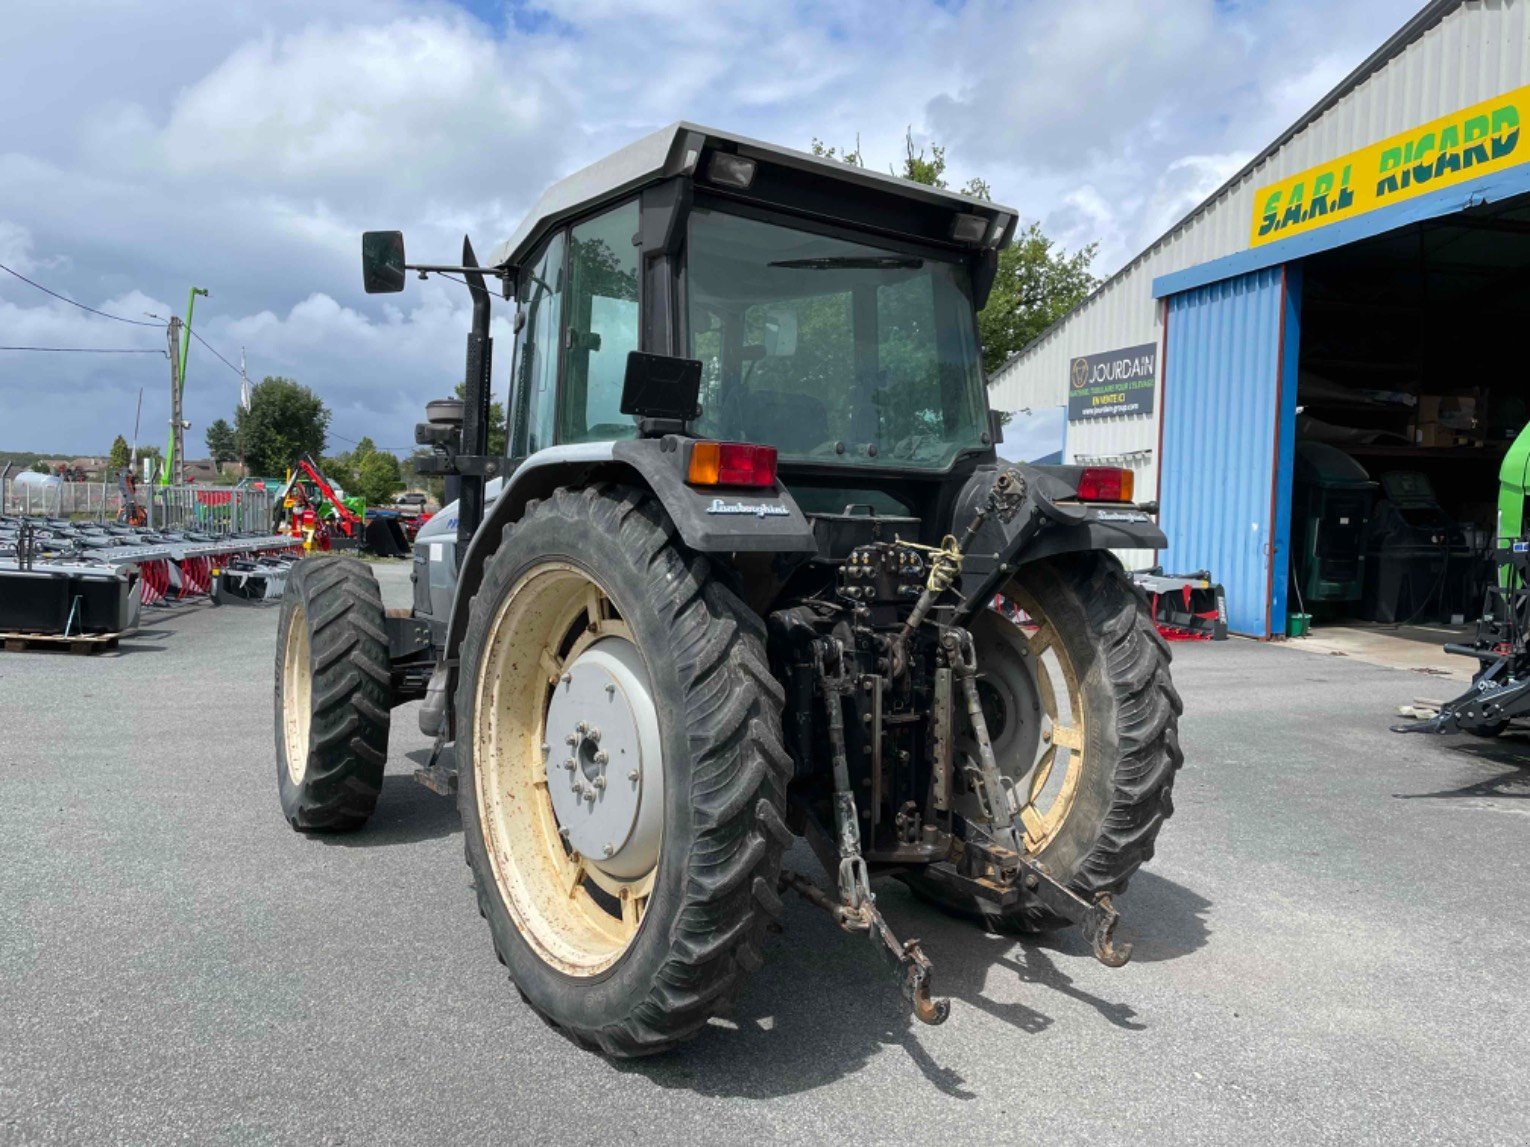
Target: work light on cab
[(732, 464), (1105, 484)]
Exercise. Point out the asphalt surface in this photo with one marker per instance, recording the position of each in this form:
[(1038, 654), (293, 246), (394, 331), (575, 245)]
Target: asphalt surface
[(1330, 945)]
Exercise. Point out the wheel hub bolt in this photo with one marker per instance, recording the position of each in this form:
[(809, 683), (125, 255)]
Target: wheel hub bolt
[(602, 758), (599, 782), (589, 795), (634, 775), (593, 734), (570, 764), (571, 739), (608, 850), (583, 727)]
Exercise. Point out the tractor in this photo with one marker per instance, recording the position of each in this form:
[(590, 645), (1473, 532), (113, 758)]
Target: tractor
[(753, 572), (1500, 690)]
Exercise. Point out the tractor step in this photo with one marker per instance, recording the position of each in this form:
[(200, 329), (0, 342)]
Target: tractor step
[(440, 775)]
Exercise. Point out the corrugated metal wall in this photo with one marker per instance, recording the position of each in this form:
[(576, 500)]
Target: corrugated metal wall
[(1221, 384), (1480, 50)]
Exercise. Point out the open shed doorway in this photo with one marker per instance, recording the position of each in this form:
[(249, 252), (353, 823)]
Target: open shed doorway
[(1412, 385)]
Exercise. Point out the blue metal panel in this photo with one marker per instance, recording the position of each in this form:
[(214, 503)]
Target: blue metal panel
[(1227, 430)]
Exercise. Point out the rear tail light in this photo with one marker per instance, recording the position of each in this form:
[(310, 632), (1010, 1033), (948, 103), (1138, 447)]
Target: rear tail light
[(1105, 484), (731, 464)]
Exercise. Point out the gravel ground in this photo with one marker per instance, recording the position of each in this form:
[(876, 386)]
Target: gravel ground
[(1329, 946)]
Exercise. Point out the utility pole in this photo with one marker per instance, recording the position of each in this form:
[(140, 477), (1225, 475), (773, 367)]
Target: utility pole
[(180, 344), (174, 467), (137, 415), (244, 401)]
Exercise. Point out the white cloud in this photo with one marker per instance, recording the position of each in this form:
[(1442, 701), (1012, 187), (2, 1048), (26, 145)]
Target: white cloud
[(243, 146)]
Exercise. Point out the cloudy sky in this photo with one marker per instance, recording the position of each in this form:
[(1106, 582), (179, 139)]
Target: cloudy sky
[(242, 146)]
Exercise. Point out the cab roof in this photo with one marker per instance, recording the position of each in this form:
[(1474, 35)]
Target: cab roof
[(677, 150)]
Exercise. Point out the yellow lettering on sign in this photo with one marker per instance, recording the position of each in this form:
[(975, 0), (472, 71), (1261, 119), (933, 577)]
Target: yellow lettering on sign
[(1452, 149)]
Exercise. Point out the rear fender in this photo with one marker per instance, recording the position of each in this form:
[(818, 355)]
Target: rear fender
[(1042, 529), (708, 521)]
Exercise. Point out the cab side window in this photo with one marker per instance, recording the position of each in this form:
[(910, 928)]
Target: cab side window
[(535, 389), (602, 326)]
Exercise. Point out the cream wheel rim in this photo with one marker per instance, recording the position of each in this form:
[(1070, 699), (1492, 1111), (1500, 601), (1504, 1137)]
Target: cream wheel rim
[(297, 694), (1047, 786), (574, 851)]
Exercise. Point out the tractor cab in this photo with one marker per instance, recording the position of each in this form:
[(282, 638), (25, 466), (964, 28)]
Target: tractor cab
[(832, 309)]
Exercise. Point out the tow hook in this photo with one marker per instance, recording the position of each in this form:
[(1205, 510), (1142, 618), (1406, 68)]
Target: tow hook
[(906, 957), (1096, 919)]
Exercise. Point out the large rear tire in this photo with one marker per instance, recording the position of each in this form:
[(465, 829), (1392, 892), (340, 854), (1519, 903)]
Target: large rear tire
[(1084, 719), (332, 695), (621, 772)]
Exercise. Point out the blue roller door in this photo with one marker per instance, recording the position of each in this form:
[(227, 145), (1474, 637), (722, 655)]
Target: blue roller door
[(1229, 413)]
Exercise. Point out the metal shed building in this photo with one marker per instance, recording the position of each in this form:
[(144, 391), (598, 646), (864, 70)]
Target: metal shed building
[(1400, 203)]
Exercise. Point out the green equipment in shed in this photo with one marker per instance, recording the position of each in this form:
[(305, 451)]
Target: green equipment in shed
[(1331, 501), (1513, 477)]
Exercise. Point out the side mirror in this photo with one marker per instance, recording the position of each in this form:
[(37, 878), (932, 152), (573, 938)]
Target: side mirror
[(382, 262)]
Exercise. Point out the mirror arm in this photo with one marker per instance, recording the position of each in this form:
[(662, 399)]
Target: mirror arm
[(429, 268), (475, 421)]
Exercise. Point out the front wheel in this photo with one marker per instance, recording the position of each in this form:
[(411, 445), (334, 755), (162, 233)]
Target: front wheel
[(621, 772), (332, 695), (1084, 720)]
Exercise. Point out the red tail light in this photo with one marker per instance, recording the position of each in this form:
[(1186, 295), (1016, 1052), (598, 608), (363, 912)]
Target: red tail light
[(1105, 484), (731, 464)]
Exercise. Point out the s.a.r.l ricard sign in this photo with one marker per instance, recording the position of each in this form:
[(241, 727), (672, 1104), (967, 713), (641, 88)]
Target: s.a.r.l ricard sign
[(1462, 146)]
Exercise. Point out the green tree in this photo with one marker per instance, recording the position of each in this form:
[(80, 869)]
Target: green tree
[(119, 456), (378, 477), (499, 432), (844, 155), (340, 469), (222, 442), (1037, 282), (40, 467), (285, 421)]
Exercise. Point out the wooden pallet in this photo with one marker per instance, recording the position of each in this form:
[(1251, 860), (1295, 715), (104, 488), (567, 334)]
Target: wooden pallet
[(78, 643)]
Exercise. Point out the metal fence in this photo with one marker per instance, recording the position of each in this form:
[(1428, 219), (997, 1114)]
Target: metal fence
[(209, 509)]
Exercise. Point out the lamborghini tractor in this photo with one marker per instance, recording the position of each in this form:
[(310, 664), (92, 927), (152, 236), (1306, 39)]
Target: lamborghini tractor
[(753, 571)]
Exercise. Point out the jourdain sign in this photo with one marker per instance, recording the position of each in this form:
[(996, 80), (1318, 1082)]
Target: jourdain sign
[(1465, 145), (1118, 382)]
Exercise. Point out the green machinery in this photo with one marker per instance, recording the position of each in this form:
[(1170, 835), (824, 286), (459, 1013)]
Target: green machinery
[(1512, 480), (1500, 689), (1332, 497)]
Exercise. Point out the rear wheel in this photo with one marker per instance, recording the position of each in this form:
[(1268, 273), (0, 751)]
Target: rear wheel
[(332, 695), (621, 772), (1084, 721)]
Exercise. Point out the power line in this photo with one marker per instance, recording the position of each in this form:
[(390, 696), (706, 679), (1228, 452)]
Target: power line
[(104, 315), (384, 449), (87, 349), (72, 303), (214, 350)]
